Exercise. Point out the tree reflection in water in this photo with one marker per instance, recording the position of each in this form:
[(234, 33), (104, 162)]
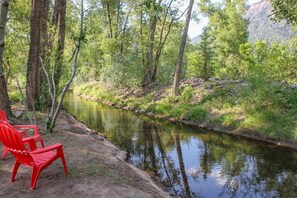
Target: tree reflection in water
[(194, 163)]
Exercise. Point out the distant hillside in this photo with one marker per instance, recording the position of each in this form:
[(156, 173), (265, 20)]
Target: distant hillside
[(195, 40), (262, 27)]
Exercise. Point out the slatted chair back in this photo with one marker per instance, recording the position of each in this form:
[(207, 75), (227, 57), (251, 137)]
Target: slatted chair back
[(12, 140), (3, 116)]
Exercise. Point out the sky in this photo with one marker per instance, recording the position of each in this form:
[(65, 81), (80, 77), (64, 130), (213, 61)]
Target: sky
[(196, 29)]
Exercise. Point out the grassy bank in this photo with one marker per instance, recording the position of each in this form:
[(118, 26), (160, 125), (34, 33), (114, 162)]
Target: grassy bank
[(267, 110)]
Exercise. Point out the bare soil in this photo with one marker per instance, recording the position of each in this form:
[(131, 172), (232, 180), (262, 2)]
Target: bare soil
[(97, 168)]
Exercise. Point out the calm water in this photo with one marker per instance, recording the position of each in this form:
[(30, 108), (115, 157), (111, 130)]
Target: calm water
[(191, 162)]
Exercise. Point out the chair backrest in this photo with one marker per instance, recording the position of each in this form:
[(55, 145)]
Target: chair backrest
[(13, 141), (3, 116)]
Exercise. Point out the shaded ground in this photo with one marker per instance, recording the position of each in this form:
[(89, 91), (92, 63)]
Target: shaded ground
[(96, 169)]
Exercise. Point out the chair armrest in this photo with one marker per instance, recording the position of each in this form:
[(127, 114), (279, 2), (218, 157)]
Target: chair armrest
[(31, 142), (47, 148), (34, 127), (22, 132)]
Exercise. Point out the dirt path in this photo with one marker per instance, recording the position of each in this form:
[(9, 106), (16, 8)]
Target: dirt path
[(96, 169)]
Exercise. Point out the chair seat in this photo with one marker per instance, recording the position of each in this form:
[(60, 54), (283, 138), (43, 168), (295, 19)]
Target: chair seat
[(43, 158)]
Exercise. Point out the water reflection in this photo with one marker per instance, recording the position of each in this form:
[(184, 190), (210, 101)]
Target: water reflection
[(193, 163)]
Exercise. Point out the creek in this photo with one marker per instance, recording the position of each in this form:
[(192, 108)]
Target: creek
[(189, 161)]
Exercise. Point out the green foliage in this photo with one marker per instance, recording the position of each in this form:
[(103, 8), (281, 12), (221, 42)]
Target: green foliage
[(96, 90), (274, 62), (163, 108), (196, 113), (179, 110), (122, 72), (15, 96), (187, 94), (271, 123), (285, 9), (193, 67), (229, 29), (289, 98), (202, 59), (217, 94), (16, 39)]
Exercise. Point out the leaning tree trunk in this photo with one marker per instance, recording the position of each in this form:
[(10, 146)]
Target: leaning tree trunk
[(50, 123), (181, 51), (4, 99)]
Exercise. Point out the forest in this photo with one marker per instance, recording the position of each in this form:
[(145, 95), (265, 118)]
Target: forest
[(137, 55)]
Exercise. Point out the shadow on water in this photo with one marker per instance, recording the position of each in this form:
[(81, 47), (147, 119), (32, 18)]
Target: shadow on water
[(190, 162)]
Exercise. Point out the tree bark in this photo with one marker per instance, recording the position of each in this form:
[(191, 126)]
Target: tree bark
[(109, 20), (141, 36), (181, 51), (4, 99), (61, 25), (44, 47), (150, 53), (33, 74), (161, 42), (38, 43), (56, 110)]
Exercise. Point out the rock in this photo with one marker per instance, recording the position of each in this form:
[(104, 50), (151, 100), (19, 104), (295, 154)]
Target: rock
[(203, 125), (18, 113)]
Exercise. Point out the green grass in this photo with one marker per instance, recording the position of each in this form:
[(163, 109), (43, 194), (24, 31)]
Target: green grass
[(179, 111), (229, 120), (196, 113), (97, 91), (95, 169), (269, 110)]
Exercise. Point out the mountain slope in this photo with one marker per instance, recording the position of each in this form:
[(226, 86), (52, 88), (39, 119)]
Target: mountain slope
[(261, 26)]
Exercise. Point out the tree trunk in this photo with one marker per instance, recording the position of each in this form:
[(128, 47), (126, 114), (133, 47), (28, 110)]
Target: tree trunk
[(150, 53), (33, 84), (44, 47), (181, 51), (56, 110), (161, 42), (4, 99), (61, 25), (141, 35), (38, 43), (109, 20)]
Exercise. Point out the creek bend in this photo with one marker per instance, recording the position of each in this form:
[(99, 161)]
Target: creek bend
[(189, 161)]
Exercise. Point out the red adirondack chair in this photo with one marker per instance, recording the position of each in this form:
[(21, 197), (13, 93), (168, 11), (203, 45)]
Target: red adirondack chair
[(22, 129), (38, 159)]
